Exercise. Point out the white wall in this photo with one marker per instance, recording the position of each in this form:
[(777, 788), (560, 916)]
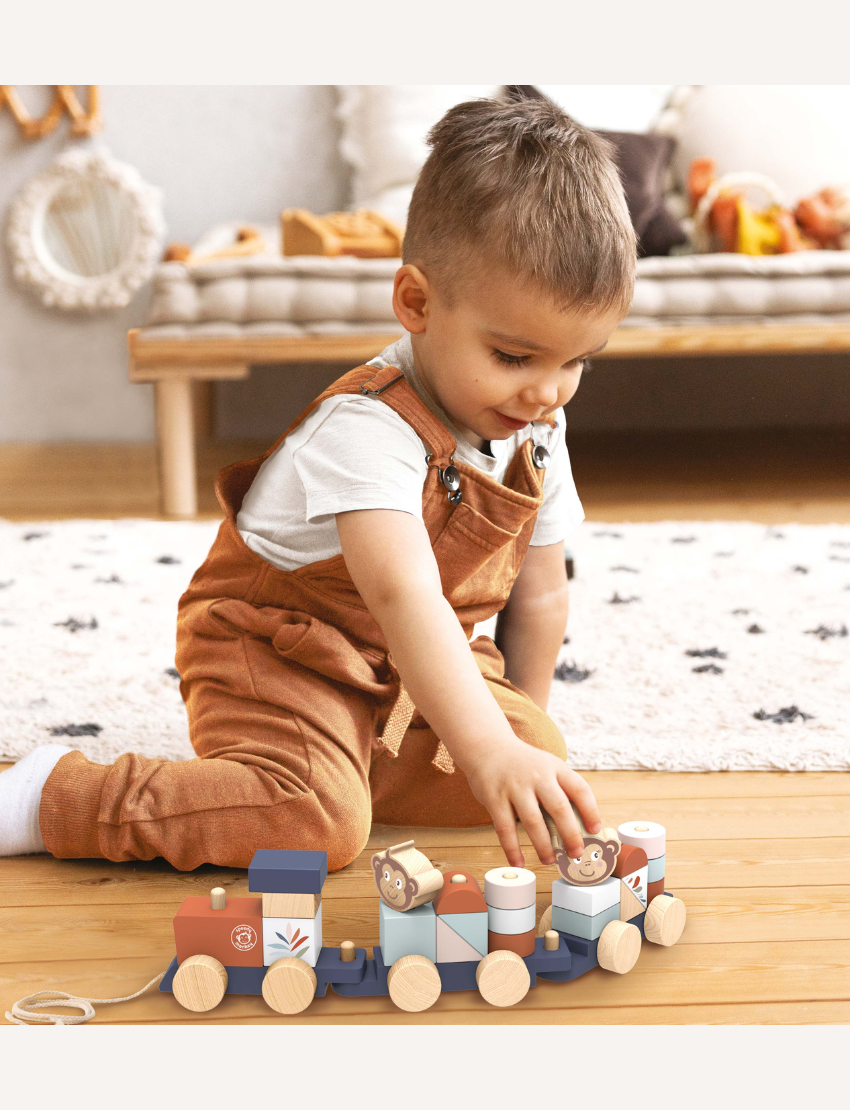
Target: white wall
[(218, 153)]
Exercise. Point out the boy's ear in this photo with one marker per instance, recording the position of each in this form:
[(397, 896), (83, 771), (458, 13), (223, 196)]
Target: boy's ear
[(411, 293)]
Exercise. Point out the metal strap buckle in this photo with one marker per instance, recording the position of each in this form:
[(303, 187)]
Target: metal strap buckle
[(375, 392)]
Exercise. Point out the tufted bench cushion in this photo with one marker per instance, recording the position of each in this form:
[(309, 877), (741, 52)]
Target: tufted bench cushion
[(271, 295)]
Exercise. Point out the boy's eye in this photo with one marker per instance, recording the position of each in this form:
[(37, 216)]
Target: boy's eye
[(511, 360)]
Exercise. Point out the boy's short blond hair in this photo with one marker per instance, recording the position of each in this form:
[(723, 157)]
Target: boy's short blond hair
[(522, 185)]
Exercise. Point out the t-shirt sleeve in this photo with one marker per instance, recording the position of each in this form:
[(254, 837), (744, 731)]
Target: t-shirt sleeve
[(561, 511), (363, 455)]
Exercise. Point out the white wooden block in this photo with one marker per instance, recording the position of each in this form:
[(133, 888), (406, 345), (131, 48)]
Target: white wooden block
[(644, 834), (510, 888), (589, 900), (292, 936), (511, 922)]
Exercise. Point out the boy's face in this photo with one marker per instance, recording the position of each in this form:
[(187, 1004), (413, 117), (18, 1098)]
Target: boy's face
[(499, 354)]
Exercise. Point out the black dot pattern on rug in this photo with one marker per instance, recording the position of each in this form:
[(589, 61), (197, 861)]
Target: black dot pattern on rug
[(34, 536), (827, 632), (706, 653), (783, 716), (609, 535), (741, 612), (111, 578), (723, 554), (755, 629), (773, 535), (6, 585), (571, 672), (708, 668), (800, 570), (566, 639), (169, 560), (617, 600), (839, 543), (839, 558), (74, 625), (683, 539), (173, 672), (628, 570), (89, 729)]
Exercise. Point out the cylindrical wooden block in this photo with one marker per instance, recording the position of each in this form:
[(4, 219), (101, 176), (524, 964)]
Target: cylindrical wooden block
[(289, 985), (200, 983), (619, 947), (644, 834), (665, 920), (414, 983), (520, 943), (502, 978), (218, 898), (510, 888), (511, 921), (551, 940), (346, 951)]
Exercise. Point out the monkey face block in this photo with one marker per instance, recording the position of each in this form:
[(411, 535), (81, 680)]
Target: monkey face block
[(405, 878), (596, 862)]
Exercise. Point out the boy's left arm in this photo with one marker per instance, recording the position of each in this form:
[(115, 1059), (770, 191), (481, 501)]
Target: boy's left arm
[(530, 629)]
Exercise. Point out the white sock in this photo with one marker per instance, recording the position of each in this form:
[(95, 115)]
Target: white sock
[(20, 798)]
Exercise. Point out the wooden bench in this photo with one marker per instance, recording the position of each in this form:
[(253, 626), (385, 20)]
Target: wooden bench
[(182, 371)]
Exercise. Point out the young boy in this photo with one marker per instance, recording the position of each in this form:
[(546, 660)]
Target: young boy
[(417, 496)]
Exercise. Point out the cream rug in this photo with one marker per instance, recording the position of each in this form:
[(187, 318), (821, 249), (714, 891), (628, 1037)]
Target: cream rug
[(691, 647)]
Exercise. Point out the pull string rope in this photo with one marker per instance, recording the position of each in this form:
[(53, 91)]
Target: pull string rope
[(22, 1011)]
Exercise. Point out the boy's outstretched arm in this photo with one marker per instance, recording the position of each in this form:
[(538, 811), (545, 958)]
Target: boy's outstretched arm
[(389, 557), (530, 629)]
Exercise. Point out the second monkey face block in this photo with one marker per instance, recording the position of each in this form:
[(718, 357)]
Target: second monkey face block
[(405, 878), (596, 862)]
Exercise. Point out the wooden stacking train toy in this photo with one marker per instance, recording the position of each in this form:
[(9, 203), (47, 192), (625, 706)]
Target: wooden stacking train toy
[(438, 932)]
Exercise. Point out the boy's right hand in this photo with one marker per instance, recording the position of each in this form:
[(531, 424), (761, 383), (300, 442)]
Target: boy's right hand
[(514, 781)]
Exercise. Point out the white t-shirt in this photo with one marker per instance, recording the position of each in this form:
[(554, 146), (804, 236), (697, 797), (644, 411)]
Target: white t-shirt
[(355, 452)]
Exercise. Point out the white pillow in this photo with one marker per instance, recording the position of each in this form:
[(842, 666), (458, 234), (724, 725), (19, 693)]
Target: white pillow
[(383, 137), (798, 135)]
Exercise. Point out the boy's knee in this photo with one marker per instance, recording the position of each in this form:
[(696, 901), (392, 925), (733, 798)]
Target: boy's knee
[(537, 728)]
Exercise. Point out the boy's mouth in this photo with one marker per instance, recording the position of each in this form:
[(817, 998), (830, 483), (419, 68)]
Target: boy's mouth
[(514, 425)]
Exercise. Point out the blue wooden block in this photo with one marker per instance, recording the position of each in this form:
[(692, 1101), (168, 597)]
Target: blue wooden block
[(374, 980), (656, 870), (580, 925), (458, 976), (278, 872), (331, 970), (408, 933)]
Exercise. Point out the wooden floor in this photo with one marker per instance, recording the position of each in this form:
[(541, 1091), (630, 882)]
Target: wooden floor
[(761, 860)]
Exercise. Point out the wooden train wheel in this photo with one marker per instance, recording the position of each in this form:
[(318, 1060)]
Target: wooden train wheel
[(619, 947), (289, 985), (414, 983), (200, 983), (665, 920), (545, 922), (503, 978)]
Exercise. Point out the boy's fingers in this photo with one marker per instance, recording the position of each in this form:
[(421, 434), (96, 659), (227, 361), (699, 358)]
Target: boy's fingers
[(529, 814), (558, 806), (582, 797), (504, 822)]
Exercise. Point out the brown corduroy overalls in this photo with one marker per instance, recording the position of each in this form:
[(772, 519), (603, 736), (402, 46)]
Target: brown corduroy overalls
[(295, 709)]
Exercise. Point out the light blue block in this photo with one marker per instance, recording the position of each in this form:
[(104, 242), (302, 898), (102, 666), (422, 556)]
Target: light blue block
[(405, 934), (471, 926), (580, 925), (656, 870)]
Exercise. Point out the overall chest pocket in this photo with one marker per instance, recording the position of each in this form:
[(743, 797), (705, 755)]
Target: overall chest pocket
[(476, 555)]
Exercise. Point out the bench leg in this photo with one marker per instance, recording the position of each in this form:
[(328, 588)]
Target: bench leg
[(175, 433)]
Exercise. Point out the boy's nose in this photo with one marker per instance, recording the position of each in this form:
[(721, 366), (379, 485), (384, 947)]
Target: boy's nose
[(541, 396)]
